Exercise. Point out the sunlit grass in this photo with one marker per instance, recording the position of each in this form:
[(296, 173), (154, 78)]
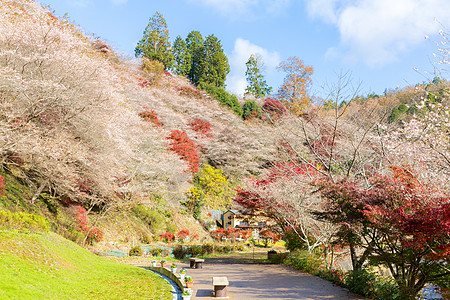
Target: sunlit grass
[(46, 266)]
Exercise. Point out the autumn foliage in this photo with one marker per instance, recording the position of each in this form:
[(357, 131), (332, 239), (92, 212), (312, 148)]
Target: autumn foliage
[(2, 185), (149, 115), (184, 147), (274, 107), (398, 221), (231, 233), (92, 234), (167, 237), (294, 91), (201, 126)]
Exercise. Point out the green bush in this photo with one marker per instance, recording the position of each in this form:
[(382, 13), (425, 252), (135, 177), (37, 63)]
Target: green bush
[(293, 242), (302, 260), (366, 283), (153, 218), (136, 251), (278, 258), (251, 109), (222, 96), (238, 247), (155, 251), (196, 250), (23, 221), (208, 248)]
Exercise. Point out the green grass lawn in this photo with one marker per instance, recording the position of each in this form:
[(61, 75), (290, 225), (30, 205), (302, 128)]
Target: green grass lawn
[(47, 266)]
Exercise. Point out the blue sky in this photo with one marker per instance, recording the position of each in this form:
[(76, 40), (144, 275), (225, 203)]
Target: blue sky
[(380, 42)]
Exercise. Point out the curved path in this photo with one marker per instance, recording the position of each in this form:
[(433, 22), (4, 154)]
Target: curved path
[(263, 281)]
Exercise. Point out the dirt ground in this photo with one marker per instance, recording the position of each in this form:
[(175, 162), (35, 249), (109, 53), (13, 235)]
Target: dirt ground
[(249, 278)]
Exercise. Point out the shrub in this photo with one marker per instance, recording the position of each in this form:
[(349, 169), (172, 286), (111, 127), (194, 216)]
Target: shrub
[(2, 185), (201, 126), (167, 237), (366, 283), (149, 115), (183, 146), (335, 276), (274, 107), (251, 110), (302, 260), (267, 235), (208, 248), (179, 252), (190, 92), (222, 96), (155, 251), (196, 250), (91, 234), (23, 221), (153, 71), (279, 258), (135, 251), (152, 218), (183, 234), (94, 235), (238, 248), (293, 241)]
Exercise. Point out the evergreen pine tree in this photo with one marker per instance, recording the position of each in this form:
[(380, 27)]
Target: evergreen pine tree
[(182, 57), (257, 86), (216, 65), (155, 43), (194, 43)]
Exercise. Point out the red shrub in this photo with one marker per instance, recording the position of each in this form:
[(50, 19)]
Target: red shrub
[(268, 234), (184, 147), (167, 237), (190, 92), (201, 126), (183, 234), (143, 83), (81, 219), (2, 185), (150, 116), (93, 234), (274, 107), (218, 234)]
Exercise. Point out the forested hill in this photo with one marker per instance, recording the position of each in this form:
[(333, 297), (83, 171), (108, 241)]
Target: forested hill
[(88, 131)]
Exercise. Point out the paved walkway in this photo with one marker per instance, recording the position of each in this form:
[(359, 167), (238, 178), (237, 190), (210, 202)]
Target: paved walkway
[(263, 281)]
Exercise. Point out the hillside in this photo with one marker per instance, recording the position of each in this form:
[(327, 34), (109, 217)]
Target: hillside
[(105, 144), (46, 266), (72, 122)]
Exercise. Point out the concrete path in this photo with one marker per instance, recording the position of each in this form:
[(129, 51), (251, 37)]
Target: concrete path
[(263, 281)]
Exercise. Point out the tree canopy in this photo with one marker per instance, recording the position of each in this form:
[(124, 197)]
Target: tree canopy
[(294, 91), (201, 60), (256, 84), (155, 43)]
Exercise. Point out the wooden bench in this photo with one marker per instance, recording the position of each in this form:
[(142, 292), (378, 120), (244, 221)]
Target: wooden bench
[(220, 287), (196, 263)]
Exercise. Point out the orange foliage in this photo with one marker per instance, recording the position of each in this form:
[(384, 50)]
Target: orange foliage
[(294, 91)]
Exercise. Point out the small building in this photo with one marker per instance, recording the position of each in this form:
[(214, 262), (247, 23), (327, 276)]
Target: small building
[(234, 218)]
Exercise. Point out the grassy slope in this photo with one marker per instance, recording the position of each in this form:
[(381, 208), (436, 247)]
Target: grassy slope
[(46, 266)]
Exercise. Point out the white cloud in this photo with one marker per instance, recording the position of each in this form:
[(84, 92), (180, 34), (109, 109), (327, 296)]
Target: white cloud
[(236, 81), (235, 8), (379, 31)]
